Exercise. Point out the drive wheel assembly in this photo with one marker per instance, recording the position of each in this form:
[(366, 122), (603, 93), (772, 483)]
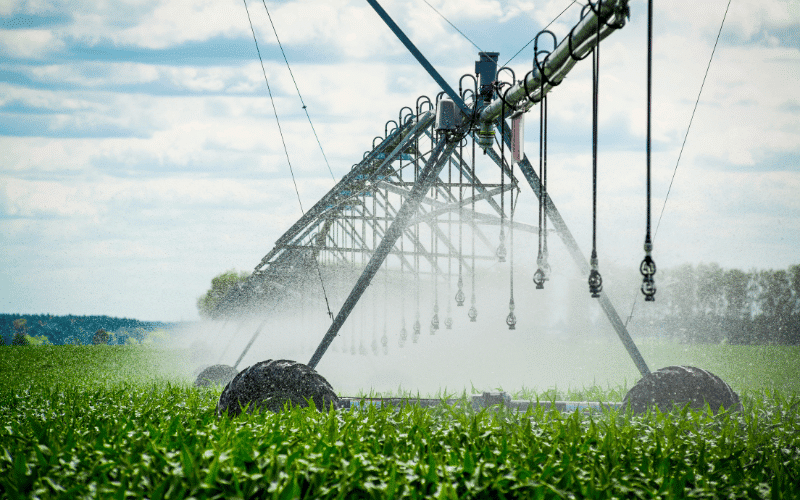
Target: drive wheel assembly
[(681, 385), (270, 384), (215, 375)]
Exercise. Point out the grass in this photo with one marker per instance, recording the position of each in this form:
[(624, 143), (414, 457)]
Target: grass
[(746, 368), (86, 365), (76, 429)]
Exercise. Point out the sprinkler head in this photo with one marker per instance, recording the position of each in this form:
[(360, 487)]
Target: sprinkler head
[(460, 297), (501, 252), (473, 314), (539, 279), (511, 321), (648, 270), (595, 283)]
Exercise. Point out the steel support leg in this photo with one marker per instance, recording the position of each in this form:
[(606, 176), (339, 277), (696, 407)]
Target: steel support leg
[(572, 245), (429, 174)]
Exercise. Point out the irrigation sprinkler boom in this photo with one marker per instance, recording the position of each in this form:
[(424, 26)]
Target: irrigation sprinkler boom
[(580, 42), (429, 173), (380, 173), (406, 183)]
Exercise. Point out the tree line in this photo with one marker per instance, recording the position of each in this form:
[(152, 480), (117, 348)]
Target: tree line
[(23, 329), (697, 304), (220, 285), (709, 304)]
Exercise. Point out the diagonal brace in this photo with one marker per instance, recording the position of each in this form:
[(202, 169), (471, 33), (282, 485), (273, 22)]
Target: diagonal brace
[(428, 175)]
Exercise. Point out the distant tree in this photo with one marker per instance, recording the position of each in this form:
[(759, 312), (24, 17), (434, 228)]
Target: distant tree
[(737, 316), (794, 318), (684, 295), (734, 286), (38, 340), (100, 337), (707, 321), (794, 278), (20, 340), (220, 286), (710, 290), (157, 336), (777, 304), (20, 332)]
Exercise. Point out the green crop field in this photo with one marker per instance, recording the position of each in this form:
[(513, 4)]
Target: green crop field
[(125, 422)]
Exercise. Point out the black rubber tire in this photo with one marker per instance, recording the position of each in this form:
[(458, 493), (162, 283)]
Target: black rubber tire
[(215, 375), (679, 385), (270, 384)]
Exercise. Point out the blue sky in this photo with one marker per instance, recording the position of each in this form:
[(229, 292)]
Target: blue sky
[(139, 154)]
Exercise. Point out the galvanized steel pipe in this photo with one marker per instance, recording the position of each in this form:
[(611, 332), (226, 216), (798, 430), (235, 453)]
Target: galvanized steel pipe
[(584, 38)]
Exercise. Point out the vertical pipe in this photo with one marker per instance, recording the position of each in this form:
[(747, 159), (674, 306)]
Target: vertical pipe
[(431, 170)]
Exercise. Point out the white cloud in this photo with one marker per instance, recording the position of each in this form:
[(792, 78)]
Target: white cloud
[(195, 181), (47, 199), (175, 22), (28, 44)]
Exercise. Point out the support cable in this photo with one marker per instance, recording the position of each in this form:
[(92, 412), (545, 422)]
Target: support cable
[(283, 140), (324, 292), (280, 130), (685, 137), (534, 38), (305, 108), (453, 25)]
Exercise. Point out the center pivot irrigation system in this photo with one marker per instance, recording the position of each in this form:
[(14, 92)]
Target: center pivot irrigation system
[(413, 209)]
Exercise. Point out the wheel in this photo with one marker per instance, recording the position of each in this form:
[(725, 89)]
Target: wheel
[(270, 384), (679, 385), (215, 374)]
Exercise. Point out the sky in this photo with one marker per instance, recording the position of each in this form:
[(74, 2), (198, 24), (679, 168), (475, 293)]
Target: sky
[(140, 156)]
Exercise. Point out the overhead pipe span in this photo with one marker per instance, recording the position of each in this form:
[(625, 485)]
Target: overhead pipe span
[(560, 61), (391, 147)]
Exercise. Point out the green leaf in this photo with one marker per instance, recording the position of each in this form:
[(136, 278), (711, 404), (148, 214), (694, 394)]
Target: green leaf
[(213, 472), (290, 491), (188, 464), (22, 478), (469, 463), (158, 492)]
